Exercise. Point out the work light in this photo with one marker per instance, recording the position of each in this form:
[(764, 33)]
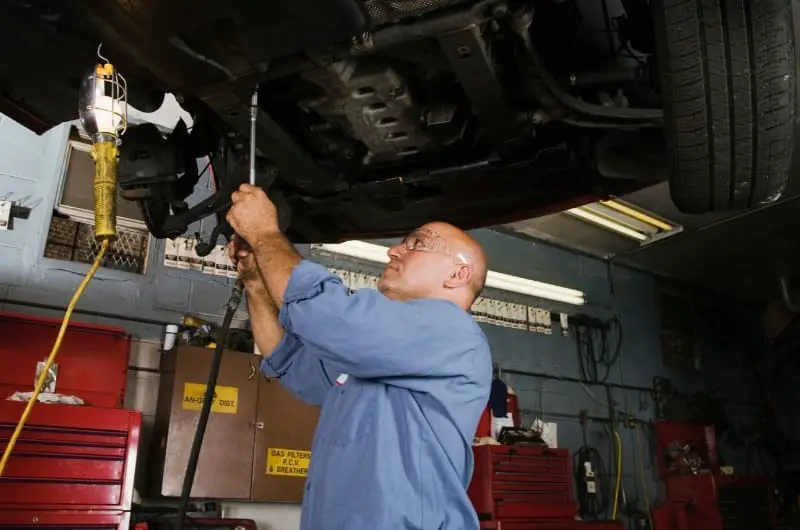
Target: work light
[(103, 113)]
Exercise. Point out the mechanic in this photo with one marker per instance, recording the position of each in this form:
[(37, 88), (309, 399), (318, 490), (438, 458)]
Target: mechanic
[(402, 373)]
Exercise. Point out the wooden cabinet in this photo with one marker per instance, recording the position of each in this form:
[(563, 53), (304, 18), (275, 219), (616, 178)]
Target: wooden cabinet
[(258, 439), (283, 443)]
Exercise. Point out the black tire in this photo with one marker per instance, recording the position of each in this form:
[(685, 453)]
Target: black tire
[(728, 84)]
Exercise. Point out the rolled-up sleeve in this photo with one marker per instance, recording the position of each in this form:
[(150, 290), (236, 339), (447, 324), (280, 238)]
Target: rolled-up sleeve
[(368, 335), (299, 370)]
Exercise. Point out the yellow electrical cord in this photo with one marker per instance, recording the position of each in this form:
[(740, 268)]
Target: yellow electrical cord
[(52, 357), (619, 475), (641, 471)]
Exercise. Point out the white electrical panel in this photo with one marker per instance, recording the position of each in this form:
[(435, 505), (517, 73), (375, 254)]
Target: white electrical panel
[(209, 262), (171, 250), (479, 310), (184, 253), (533, 319), (221, 260), (179, 253)]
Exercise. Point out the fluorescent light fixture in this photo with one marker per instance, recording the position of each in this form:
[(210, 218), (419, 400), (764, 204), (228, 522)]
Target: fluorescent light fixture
[(625, 219), (494, 280), (607, 223)]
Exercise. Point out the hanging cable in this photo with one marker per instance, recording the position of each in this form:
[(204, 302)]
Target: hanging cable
[(618, 475), (642, 475), (592, 338), (53, 353)]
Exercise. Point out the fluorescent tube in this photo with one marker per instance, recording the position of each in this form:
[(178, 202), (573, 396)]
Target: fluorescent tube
[(626, 220), (607, 223)]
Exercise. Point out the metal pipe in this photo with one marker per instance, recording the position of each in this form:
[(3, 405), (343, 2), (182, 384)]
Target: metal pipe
[(428, 27), (620, 386), (253, 115), (78, 311)]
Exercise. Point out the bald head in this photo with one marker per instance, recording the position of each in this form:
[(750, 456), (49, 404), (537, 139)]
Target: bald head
[(437, 260), (460, 243)]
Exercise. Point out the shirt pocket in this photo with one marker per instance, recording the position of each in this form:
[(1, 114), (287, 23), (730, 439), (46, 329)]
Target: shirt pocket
[(351, 415)]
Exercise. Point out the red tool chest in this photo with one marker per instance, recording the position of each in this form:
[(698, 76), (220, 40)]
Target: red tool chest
[(69, 457), (521, 482), (91, 364), (698, 495)]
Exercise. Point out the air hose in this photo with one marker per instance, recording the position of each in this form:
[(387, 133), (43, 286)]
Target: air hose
[(208, 399), (231, 307)]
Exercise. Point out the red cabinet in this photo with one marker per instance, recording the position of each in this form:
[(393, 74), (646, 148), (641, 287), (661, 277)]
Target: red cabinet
[(91, 363), (519, 482)]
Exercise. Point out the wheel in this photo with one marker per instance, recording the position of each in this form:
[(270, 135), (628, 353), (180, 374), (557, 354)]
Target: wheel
[(728, 86)]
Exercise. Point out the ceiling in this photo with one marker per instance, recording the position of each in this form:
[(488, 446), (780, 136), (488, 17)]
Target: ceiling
[(737, 254)]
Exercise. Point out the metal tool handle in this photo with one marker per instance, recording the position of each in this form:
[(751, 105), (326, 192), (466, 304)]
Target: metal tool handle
[(253, 115)]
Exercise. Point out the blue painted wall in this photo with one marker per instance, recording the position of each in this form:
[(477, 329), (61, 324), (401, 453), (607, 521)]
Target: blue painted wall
[(30, 171)]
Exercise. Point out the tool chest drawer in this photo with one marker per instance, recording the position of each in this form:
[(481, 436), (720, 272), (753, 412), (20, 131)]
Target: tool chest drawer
[(512, 482), (69, 456), (65, 520)]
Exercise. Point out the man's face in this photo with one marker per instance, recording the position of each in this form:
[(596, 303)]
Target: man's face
[(418, 266)]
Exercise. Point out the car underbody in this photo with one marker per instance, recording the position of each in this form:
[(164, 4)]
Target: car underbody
[(376, 116)]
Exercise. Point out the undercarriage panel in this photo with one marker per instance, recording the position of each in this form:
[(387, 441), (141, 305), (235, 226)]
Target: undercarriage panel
[(374, 105)]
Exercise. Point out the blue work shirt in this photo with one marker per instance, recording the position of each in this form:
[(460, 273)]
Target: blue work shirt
[(402, 386)]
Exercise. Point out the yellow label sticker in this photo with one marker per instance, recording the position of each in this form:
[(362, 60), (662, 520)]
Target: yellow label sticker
[(288, 462), (226, 398)]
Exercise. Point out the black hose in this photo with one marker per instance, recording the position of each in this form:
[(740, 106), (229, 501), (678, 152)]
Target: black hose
[(593, 348), (205, 412)]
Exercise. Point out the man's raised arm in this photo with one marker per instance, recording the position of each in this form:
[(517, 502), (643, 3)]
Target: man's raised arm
[(284, 355)]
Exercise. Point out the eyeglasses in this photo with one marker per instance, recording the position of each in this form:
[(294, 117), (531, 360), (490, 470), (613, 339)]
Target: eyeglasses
[(426, 240)]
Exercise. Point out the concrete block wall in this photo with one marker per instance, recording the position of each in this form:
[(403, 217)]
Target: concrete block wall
[(30, 170)]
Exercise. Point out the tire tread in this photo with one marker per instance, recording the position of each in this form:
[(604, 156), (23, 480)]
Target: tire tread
[(728, 77)]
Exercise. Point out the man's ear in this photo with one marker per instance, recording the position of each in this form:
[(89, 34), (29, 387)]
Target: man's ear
[(459, 275)]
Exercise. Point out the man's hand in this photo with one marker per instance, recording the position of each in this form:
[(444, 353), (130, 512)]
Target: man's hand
[(253, 216), (242, 255)]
